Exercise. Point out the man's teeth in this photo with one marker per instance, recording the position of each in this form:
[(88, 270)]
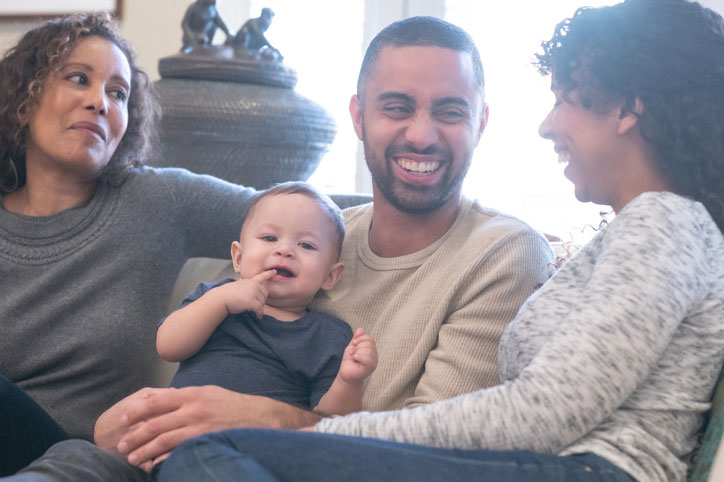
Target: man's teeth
[(419, 167), (564, 157)]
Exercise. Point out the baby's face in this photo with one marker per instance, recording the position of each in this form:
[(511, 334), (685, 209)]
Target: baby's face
[(292, 234)]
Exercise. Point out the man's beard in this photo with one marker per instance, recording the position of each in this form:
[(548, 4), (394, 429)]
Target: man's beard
[(410, 198)]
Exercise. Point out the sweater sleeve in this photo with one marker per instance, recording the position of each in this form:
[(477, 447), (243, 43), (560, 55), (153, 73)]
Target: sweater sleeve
[(465, 355), (209, 211), (594, 358)]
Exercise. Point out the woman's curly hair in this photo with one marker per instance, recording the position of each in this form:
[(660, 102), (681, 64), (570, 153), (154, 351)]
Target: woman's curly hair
[(670, 55), (27, 66)]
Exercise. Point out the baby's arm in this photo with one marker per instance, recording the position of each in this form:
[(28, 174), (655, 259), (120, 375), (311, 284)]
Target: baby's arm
[(186, 330), (358, 362)]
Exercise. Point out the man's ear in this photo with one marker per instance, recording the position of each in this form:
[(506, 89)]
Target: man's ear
[(483, 123), (629, 117), (236, 256), (333, 276), (355, 111)]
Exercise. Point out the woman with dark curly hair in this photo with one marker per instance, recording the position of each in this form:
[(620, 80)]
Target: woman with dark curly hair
[(26, 69), (91, 242), (608, 369), (671, 83)]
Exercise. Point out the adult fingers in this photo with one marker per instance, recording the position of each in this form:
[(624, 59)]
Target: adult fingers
[(149, 403), (194, 411), (156, 436), (160, 447), (161, 458)]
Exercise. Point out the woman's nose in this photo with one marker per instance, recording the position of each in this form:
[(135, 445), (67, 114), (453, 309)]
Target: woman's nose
[(97, 101), (544, 130)]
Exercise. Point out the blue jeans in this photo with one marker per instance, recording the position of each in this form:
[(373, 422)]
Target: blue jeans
[(276, 456), (26, 430), (78, 461)]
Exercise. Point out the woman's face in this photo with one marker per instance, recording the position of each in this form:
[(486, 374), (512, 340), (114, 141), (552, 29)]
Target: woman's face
[(82, 113), (587, 142)]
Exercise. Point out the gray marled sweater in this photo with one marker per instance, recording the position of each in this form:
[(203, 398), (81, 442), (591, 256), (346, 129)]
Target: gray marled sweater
[(616, 355), (83, 290)]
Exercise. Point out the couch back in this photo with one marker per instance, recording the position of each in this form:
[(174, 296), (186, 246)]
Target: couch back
[(714, 430)]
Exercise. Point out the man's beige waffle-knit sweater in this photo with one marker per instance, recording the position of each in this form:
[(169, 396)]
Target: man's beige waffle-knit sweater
[(437, 315)]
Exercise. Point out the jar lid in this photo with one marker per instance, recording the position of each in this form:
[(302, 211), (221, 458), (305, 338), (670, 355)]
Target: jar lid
[(218, 62)]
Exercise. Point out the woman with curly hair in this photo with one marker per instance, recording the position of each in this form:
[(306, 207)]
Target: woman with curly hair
[(608, 369), (91, 241), (27, 68)]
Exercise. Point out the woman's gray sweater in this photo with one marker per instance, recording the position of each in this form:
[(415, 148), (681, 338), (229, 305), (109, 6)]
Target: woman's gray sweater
[(617, 354), (83, 290)]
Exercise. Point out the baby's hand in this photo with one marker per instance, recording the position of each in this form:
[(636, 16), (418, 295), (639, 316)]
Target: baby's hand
[(359, 359), (248, 294)]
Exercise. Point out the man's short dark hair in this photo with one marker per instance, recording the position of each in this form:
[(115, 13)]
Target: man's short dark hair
[(421, 32)]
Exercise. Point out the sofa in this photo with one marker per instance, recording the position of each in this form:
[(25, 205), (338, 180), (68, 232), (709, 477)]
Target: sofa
[(709, 461)]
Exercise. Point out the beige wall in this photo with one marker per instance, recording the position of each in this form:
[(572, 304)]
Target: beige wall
[(152, 26)]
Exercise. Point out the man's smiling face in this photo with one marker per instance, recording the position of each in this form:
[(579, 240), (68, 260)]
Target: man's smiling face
[(420, 117)]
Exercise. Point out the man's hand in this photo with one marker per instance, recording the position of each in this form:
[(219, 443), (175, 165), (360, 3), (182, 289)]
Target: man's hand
[(148, 424), (108, 430)]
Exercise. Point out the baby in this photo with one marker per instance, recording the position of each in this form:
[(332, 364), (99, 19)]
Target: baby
[(255, 334)]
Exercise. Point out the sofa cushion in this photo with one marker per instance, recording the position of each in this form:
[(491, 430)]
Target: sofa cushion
[(712, 436)]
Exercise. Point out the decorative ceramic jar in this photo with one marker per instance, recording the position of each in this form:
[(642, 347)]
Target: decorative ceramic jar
[(238, 117)]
